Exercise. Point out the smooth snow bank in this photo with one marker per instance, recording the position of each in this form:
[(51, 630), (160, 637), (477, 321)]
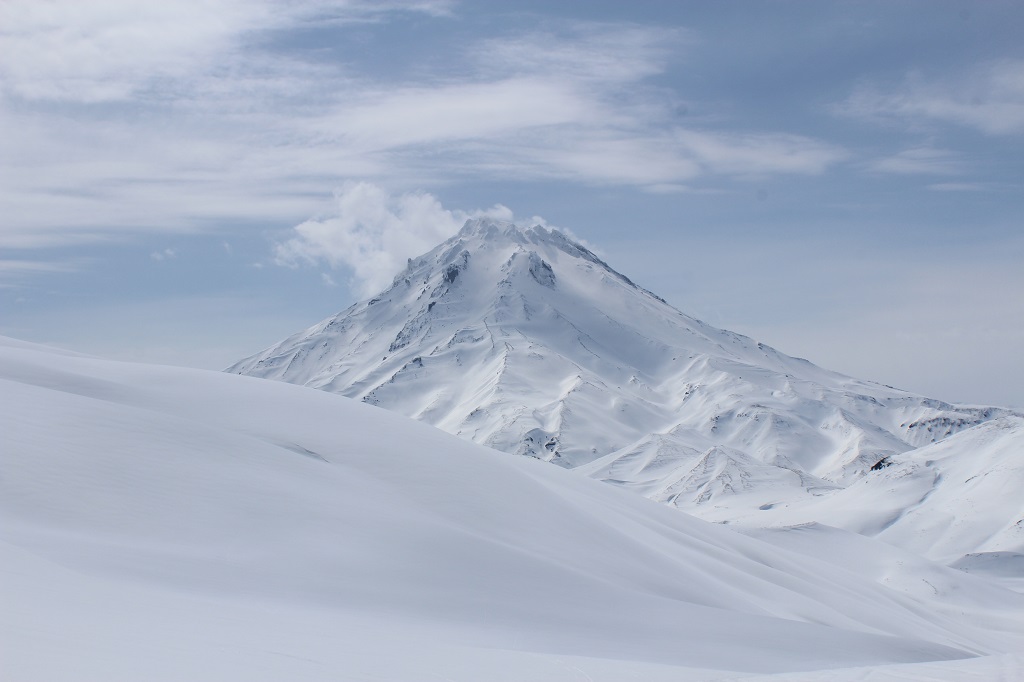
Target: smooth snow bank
[(163, 523)]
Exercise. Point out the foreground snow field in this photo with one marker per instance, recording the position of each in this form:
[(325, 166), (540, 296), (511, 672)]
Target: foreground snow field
[(163, 523)]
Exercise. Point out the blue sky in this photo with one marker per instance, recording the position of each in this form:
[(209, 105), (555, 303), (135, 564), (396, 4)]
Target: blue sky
[(189, 182)]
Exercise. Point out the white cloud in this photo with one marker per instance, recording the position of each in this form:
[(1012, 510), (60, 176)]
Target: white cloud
[(759, 154), (989, 98), (597, 156), (919, 161), (104, 50), (588, 52), (166, 254), (959, 187), (185, 116), (649, 159), (374, 233), (109, 50), (13, 270), (664, 161), (394, 118), (11, 266)]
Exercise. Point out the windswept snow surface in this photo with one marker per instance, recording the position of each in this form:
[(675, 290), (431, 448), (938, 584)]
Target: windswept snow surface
[(162, 523), (523, 340)]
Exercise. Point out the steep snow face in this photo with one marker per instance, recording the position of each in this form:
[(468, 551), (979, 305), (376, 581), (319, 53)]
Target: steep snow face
[(525, 341), (162, 523)]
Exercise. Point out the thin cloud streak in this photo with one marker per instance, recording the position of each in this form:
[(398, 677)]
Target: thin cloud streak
[(598, 53), (113, 50), (413, 116), (919, 161), (989, 99), (13, 271), (960, 187), (759, 154)]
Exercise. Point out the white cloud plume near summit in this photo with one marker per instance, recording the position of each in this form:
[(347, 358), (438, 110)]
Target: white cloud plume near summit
[(374, 233)]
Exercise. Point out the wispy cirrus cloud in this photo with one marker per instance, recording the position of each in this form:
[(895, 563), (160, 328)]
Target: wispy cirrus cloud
[(748, 154), (588, 52), (390, 119), (14, 266), (180, 117), (960, 187), (919, 161), (13, 271), (988, 98), (109, 50), (115, 50), (164, 254)]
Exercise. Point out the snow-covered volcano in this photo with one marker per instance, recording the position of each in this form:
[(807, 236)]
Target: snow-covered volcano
[(523, 340)]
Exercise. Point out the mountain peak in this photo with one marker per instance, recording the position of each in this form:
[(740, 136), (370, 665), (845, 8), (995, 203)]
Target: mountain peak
[(523, 339), (499, 231), (534, 238), (491, 228)]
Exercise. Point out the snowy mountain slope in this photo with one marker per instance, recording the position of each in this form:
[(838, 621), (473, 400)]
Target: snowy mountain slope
[(163, 523), (957, 501), (525, 341)]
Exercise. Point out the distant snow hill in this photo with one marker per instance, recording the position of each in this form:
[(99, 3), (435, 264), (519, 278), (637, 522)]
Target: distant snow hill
[(159, 523), (523, 340)]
